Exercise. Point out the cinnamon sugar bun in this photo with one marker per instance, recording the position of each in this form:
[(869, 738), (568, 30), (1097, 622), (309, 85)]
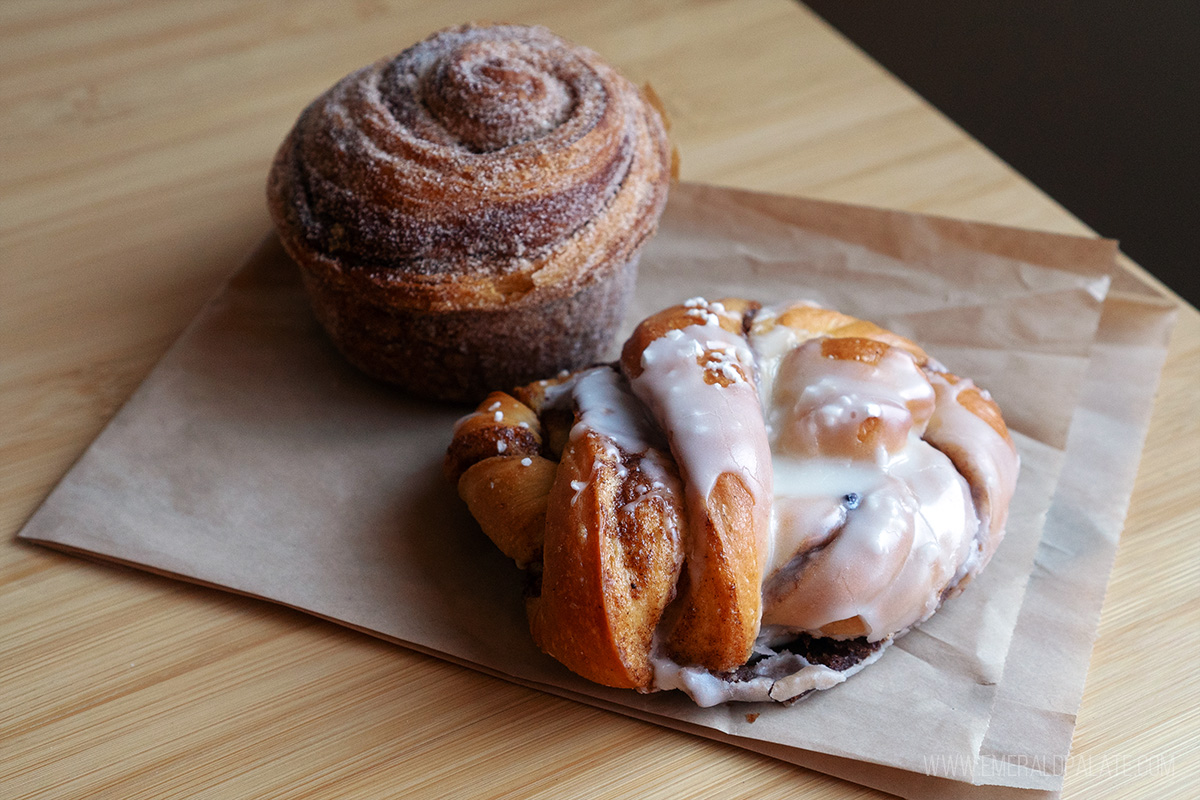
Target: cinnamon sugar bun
[(468, 214), (752, 504)]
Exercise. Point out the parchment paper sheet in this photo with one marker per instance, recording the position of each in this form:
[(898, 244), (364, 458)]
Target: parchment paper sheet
[(253, 458)]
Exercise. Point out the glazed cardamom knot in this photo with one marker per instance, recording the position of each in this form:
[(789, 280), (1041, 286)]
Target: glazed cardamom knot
[(752, 504)]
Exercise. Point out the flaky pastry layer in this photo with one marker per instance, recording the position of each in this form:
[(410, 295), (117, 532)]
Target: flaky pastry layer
[(469, 212)]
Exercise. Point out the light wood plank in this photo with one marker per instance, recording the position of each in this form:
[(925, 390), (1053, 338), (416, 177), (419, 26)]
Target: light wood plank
[(136, 141)]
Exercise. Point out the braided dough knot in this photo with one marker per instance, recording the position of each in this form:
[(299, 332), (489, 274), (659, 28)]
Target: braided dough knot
[(749, 505)]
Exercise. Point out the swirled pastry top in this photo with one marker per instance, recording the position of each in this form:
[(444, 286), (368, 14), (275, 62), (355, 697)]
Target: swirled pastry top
[(475, 166)]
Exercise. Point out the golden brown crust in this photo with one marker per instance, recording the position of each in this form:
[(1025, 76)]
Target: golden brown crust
[(718, 613), (514, 519), (596, 521), (677, 318), (469, 206), (973, 400), (716, 619), (499, 443), (500, 418), (991, 491), (815, 321), (610, 566)]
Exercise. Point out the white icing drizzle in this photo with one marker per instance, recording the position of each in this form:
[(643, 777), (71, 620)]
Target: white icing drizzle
[(869, 532), (712, 429), (884, 557), (819, 403), (604, 405), (991, 458), (771, 343), (776, 676)]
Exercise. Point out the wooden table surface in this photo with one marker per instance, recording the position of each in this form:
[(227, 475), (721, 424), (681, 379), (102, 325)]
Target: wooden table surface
[(136, 139)]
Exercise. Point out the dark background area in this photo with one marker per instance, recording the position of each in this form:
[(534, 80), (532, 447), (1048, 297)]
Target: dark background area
[(1098, 103)]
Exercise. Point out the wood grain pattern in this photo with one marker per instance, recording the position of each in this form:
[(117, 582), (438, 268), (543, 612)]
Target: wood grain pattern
[(137, 137)]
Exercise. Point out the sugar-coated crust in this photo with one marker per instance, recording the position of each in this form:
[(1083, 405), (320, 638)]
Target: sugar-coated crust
[(461, 354), (472, 207)]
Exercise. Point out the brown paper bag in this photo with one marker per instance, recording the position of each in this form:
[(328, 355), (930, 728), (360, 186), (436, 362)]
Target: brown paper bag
[(254, 459)]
